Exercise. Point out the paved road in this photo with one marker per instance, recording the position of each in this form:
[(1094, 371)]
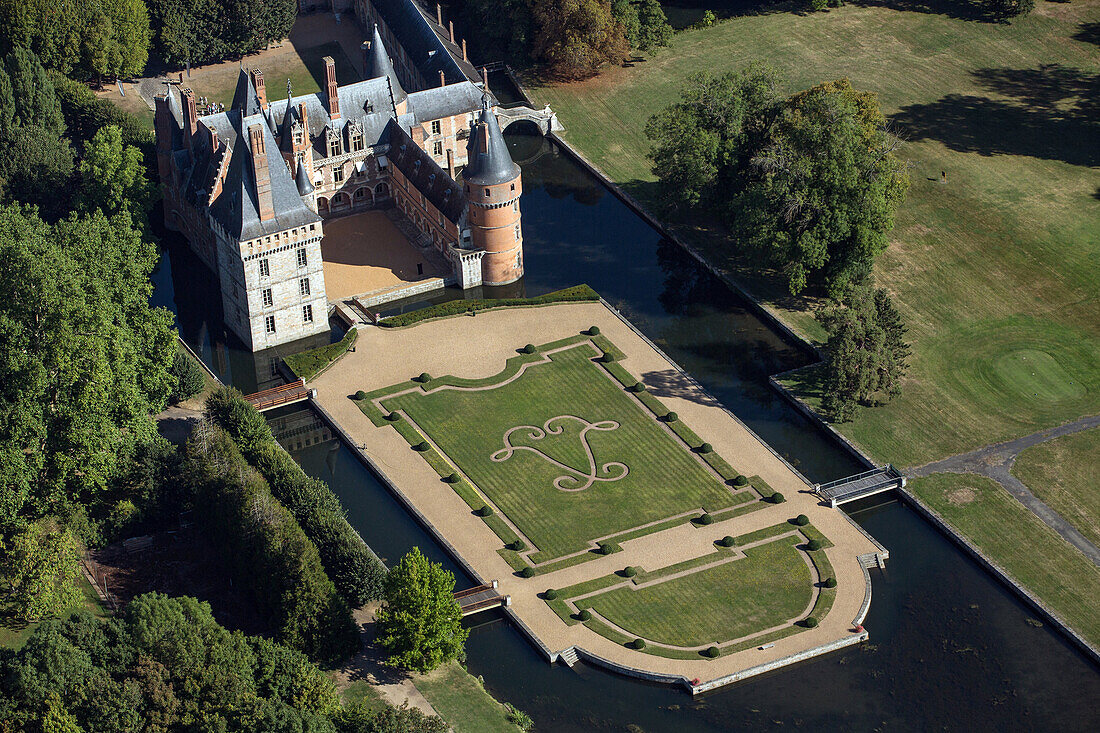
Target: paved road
[(995, 461)]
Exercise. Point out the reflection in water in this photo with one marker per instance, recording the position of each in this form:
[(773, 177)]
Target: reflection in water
[(951, 648)]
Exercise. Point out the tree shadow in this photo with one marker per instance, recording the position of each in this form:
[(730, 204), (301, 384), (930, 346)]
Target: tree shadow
[(1088, 33), (670, 383), (1050, 114), (958, 9)]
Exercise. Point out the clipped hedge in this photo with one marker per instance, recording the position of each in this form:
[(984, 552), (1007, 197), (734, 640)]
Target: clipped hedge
[(671, 417), (810, 622), (801, 520), (308, 364), (484, 511), (727, 541), (711, 652), (777, 498), (266, 550), (814, 545), (741, 481), (638, 644), (585, 615), (630, 571), (550, 594), (830, 582), (527, 572), (354, 569), (705, 519), (606, 548), (577, 293)]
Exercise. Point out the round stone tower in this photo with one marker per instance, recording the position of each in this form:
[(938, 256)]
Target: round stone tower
[(492, 183)]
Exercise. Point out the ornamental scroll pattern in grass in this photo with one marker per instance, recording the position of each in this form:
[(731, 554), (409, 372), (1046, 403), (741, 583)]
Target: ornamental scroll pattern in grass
[(575, 480)]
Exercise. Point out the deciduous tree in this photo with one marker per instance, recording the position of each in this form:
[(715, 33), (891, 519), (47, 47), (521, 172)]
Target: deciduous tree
[(654, 30), (420, 623), (575, 37), (41, 564), (113, 176)]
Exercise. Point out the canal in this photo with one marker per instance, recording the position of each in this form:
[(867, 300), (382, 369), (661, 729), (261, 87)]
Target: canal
[(950, 647)]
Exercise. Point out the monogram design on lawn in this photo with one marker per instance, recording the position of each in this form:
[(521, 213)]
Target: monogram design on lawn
[(575, 480)]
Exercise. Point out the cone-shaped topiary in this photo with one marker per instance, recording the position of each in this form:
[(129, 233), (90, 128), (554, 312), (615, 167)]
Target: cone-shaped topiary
[(393, 417), (741, 482), (727, 541), (705, 519), (706, 448), (517, 545), (607, 358), (451, 478), (778, 498), (630, 571), (529, 349), (527, 572), (484, 511), (594, 331), (360, 395), (711, 652), (830, 582), (671, 417), (801, 520), (809, 622), (550, 594), (421, 447), (638, 644), (813, 545), (424, 378), (585, 615)]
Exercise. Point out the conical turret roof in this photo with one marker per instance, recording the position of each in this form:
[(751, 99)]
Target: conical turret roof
[(245, 98), (301, 178), (489, 161), (378, 65)]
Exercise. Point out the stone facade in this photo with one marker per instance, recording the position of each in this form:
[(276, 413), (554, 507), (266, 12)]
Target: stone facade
[(251, 186)]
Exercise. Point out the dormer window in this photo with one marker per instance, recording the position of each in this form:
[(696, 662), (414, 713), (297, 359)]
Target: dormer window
[(355, 137), (333, 143)]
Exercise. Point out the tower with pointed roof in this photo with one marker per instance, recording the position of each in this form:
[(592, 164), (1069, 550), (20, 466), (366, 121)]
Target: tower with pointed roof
[(493, 185)]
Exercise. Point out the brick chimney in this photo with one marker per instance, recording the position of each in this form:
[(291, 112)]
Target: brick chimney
[(364, 53), (485, 78), (464, 50), (330, 88), (439, 15), (257, 77), (261, 173), (451, 163), (451, 28), (442, 78), (190, 114)]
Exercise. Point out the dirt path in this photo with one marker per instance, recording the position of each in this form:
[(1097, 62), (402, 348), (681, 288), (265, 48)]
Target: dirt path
[(995, 462)]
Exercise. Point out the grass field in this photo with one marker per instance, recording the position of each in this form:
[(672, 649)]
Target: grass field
[(462, 702), (539, 485), (1065, 473), (995, 272), (1021, 544), (768, 587), (13, 634)]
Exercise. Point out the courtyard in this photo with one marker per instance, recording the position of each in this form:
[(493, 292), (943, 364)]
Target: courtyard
[(629, 517)]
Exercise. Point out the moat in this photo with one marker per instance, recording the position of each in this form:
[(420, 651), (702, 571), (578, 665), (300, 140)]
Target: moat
[(950, 647)]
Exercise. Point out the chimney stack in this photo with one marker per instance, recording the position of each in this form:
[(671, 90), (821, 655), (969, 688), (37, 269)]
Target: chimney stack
[(442, 78), (439, 14), (333, 95), (364, 49), (485, 78), (451, 163), (451, 28), (464, 50), (190, 114), (261, 173), (258, 83)]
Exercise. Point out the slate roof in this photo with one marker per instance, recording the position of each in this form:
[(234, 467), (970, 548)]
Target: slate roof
[(423, 40), (245, 97), (354, 100), (379, 65), (425, 174), (494, 166), (440, 102)]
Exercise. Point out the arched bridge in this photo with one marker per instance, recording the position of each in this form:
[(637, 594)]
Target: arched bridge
[(544, 118)]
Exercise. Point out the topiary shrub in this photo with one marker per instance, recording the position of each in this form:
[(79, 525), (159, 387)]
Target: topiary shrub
[(606, 548), (706, 448), (777, 498), (451, 478), (594, 331), (585, 615), (484, 511), (630, 571), (813, 545), (671, 417), (727, 541), (360, 395), (550, 594), (638, 644), (529, 349), (741, 481), (517, 545), (393, 417), (424, 378), (190, 378), (637, 387), (711, 652), (809, 622), (527, 572), (421, 447), (830, 582), (705, 520), (801, 520), (607, 358)]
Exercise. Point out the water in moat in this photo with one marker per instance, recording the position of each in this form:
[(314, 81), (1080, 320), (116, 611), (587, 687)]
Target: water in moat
[(950, 648)]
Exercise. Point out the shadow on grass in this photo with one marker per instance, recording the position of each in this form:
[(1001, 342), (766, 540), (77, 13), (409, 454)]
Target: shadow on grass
[(959, 9), (313, 60), (1088, 33), (1052, 115)]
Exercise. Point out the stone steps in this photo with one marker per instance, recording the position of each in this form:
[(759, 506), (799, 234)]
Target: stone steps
[(569, 656)]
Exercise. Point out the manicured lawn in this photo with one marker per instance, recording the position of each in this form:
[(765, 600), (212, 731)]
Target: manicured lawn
[(462, 702), (364, 692), (662, 477), (13, 634), (994, 272), (308, 364), (1015, 539), (768, 587), (1065, 473)]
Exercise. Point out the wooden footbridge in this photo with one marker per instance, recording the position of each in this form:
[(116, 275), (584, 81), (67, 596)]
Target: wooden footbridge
[(862, 485), (286, 394), (481, 598)]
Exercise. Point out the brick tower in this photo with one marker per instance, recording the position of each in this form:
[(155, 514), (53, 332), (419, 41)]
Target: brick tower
[(493, 187)]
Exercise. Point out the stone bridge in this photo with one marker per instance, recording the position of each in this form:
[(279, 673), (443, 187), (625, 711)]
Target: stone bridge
[(544, 118)]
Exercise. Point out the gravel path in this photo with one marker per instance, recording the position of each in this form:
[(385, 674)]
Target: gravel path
[(995, 462)]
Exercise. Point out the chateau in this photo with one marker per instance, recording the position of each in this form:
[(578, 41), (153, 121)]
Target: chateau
[(252, 187)]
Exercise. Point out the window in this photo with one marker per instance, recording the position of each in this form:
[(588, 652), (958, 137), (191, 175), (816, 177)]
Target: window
[(438, 149), (333, 146), (269, 324), (435, 127), (302, 256), (517, 232), (268, 300), (307, 313), (515, 205), (486, 192), (303, 286), (265, 267), (338, 173), (513, 187)]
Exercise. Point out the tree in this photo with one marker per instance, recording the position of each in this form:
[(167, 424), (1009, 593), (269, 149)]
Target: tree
[(113, 176), (36, 169), (41, 565), (866, 353), (625, 13), (1009, 8), (27, 94), (575, 37), (702, 143), (190, 378), (654, 31), (420, 622), (824, 189)]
